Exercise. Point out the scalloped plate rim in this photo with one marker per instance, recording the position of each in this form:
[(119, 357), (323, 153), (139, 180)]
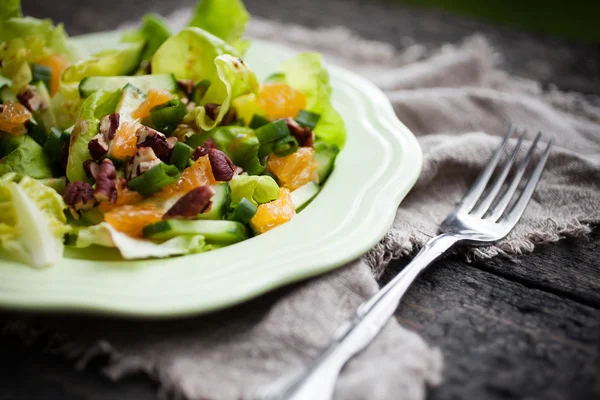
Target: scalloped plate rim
[(391, 193)]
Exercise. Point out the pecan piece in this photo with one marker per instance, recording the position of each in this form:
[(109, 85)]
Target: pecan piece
[(98, 147), (222, 167), (91, 169), (194, 202), (143, 160), (186, 86), (212, 110), (79, 196), (109, 125), (148, 137), (31, 99), (304, 136), (199, 151), (229, 117), (202, 150), (106, 182)]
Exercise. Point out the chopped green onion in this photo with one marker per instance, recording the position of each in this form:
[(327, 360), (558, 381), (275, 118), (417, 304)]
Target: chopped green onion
[(181, 155), (258, 121), (285, 146), (200, 90), (166, 116), (254, 165), (272, 131), (242, 211), (37, 132), (265, 150), (308, 119), (41, 73), (154, 179)]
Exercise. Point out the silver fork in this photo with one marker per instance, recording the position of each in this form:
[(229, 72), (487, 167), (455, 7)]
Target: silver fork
[(483, 216)]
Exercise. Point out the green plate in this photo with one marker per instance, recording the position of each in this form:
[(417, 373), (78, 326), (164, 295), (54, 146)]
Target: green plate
[(357, 205)]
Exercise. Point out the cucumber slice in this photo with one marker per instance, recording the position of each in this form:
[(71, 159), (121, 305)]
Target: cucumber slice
[(143, 82), (220, 202), (131, 98), (44, 116), (325, 155), (222, 232), (304, 194)]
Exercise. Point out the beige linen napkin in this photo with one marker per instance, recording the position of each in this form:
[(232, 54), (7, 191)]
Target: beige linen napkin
[(457, 102)]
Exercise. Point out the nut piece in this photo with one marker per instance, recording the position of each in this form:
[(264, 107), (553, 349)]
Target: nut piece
[(202, 150), (109, 126), (148, 137), (229, 117), (304, 136), (98, 147), (106, 182), (79, 196), (222, 167), (143, 160), (31, 99), (196, 201), (186, 86), (91, 169), (212, 110)]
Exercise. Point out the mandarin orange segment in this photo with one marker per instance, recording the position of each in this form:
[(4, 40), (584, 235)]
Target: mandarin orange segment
[(124, 197), (57, 64), (199, 174), (294, 170), (154, 98), (13, 117), (124, 142), (131, 219), (275, 213), (280, 100)]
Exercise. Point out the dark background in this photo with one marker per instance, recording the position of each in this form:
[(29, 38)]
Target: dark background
[(508, 329)]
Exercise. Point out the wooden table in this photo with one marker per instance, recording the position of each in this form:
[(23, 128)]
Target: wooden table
[(524, 328)]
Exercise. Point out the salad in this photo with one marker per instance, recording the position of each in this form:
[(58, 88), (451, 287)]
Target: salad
[(166, 144)]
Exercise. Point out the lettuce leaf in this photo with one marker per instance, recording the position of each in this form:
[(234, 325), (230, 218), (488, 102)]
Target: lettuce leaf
[(235, 80), (10, 9), (99, 104), (226, 19), (154, 32), (120, 61), (256, 189), (28, 159), (197, 55), (32, 221), (306, 73), (131, 248)]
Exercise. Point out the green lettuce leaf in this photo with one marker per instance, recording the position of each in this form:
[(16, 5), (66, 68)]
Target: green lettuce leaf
[(10, 9), (32, 221), (226, 19), (95, 107), (119, 61), (197, 55), (131, 248), (154, 32), (27, 159), (306, 73), (256, 189)]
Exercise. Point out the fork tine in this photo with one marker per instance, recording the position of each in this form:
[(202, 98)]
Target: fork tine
[(517, 210), (499, 208), (470, 199), (483, 206)]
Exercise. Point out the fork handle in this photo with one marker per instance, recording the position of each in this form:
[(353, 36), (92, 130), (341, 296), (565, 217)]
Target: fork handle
[(317, 382)]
